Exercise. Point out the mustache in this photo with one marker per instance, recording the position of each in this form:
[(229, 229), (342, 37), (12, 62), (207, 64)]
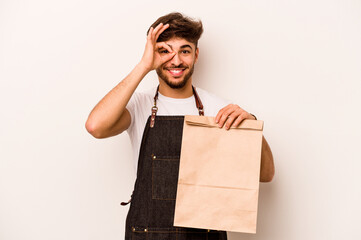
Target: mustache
[(179, 66)]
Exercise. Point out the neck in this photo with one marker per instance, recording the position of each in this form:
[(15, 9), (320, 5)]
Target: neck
[(184, 92)]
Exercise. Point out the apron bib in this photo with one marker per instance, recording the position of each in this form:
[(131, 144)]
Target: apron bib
[(151, 211)]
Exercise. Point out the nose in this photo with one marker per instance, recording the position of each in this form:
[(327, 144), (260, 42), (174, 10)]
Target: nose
[(176, 60)]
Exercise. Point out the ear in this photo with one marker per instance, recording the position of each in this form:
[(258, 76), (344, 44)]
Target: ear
[(196, 55)]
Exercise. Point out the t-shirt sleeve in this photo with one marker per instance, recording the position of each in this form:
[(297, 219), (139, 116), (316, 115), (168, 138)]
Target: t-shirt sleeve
[(139, 106), (133, 109)]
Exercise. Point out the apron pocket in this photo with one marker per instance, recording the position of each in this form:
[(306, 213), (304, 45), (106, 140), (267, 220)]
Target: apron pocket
[(164, 177)]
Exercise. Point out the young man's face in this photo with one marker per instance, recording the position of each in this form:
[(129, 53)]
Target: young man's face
[(177, 71)]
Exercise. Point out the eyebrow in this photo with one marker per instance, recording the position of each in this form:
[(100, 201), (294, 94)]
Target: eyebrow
[(183, 46)]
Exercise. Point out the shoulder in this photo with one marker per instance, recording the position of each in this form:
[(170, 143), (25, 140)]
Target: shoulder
[(211, 102), (141, 100), (144, 95)]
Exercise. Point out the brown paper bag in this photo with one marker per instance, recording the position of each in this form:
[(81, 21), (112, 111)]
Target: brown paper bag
[(219, 175)]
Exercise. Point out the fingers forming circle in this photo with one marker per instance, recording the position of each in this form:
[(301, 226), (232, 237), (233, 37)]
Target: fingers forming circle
[(155, 31), (150, 33), (161, 31)]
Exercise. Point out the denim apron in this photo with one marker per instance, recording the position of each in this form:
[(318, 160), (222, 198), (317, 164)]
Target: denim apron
[(151, 211)]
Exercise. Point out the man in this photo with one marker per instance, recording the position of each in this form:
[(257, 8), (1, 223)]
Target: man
[(172, 50)]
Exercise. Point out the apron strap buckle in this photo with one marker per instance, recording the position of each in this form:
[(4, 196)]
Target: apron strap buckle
[(152, 118)]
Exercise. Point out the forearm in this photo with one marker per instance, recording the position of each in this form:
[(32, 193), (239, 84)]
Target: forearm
[(109, 111), (110, 117), (267, 164)]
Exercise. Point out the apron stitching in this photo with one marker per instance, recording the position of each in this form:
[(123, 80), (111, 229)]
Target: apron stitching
[(152, 178), (167, 199), (167, 159), (155, 198)]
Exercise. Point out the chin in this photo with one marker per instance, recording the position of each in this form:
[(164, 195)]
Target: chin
[(175, 84)]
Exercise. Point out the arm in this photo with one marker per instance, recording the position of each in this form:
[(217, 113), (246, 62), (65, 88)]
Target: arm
[(232, 115), (110, 116)]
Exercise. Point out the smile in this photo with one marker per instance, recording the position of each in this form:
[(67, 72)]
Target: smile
[(176, 72)]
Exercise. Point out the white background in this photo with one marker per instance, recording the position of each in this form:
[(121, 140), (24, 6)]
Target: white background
[(295, 64)]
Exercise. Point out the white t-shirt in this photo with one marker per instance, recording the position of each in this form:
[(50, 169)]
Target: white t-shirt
[(140, 108)]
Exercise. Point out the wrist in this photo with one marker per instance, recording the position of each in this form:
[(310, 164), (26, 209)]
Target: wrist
[(143, 68)]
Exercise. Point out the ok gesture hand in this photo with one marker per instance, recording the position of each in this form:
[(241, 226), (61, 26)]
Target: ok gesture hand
[(152, 59)]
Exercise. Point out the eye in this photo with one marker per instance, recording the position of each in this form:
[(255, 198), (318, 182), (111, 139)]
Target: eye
[(186, 51), (163, 51)]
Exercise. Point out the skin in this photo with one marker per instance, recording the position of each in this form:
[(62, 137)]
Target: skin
[(110, 116), (184, 60)]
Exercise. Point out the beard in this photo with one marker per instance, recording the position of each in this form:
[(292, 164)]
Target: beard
[(175, 85)]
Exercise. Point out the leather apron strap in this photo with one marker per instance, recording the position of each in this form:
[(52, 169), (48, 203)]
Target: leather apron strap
[(155, 108)]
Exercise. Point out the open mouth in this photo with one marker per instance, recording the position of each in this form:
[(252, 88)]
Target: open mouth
[(176, 72)]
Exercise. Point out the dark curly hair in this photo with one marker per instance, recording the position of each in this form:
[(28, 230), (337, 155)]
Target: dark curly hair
[(179, 26)]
